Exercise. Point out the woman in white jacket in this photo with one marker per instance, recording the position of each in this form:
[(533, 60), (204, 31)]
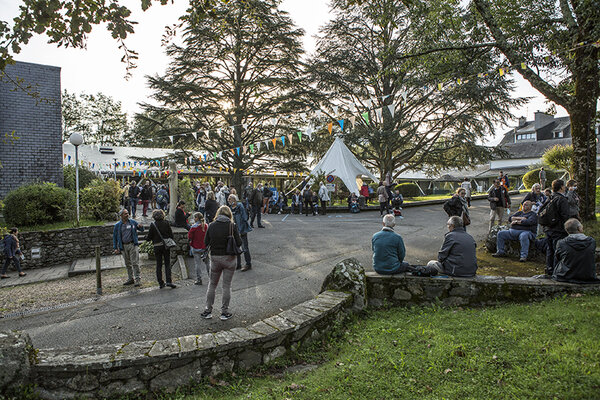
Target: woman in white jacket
[(324, 196)]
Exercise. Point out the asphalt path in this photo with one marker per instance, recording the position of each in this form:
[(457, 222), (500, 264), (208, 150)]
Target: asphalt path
[(290, 259)]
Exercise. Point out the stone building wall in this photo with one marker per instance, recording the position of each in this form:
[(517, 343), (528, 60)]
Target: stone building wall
[(37, 153)]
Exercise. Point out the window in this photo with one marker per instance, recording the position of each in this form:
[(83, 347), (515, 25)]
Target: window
[(526, 136), (558, 135)]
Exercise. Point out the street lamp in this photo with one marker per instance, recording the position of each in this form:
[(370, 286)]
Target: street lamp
[(76, 140)]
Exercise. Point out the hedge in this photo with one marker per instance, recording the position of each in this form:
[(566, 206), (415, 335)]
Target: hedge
[(408, 189), (37, 204), (101, 200), (533, 176)]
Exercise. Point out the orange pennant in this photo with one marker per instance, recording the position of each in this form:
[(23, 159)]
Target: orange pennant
[(274, 142), (330, 127)]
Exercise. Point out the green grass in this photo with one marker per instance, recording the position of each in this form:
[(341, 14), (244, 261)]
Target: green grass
[(546, 350), (61, 225)]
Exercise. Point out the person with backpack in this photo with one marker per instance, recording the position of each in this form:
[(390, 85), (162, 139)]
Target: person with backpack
[(307, 195), (12, 252), (499, 201), (162, 198), (552, 216)]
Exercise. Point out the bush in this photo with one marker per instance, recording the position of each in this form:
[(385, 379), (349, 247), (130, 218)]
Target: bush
[(533, 176), (38, 203), (101, 200), (86, 177), (408, 189), (186, 193)]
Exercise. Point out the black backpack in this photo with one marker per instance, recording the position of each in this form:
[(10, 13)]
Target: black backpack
[(548, 213)]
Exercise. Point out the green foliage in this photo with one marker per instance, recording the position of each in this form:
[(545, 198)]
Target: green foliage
[(38, 203), (408, 189), (86, 176), (533, 176), (185, 192), (559, 157), (147, 247), (101, 200)]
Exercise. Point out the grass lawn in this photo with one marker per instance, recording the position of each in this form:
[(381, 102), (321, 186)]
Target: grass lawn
[(61, 225), (547, 350)]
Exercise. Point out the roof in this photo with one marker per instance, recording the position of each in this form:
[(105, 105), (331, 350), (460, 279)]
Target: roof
[(532, 149), (493, 173)]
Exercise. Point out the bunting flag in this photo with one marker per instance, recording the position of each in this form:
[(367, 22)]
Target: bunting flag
[(195, 135), (404, 94), (378, 113), (283, 141), (365, 116), (274, 141), (353, 120), (252, 148), (274, 120), (368, 103), (171, 137), (215, 155), (245, 126), (258, 146), (290, 136), (341, 122), (303, 116), (391, 108), (439, 86), (501, 70), (523, 65), (330, 127), (335, 110), (309, 132), (299, 136), (64, 155), (238, 151), (232, 151), (244, 148)]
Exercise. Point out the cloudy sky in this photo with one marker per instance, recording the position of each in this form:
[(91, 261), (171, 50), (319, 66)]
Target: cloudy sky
[(99, 69)]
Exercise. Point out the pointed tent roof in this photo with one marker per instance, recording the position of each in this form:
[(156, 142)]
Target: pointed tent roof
[(340, 161)]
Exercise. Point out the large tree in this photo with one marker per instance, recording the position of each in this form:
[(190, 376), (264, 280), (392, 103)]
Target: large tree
[(236, 73), (97, 117), (559, 41), (363, 60)]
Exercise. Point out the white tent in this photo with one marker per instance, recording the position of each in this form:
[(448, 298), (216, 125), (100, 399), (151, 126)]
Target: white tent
[(339, 161)]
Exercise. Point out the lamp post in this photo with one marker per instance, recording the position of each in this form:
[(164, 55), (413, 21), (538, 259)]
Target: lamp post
[(115, 168), (76, 140)]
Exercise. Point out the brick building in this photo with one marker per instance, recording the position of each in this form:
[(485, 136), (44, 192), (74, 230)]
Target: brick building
[(37, 153)]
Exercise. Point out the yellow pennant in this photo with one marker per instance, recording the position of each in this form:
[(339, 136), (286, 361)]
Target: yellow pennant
[(501, 70), (523, 66), (439, 86)]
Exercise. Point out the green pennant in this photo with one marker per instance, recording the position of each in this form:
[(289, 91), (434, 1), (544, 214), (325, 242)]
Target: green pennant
[(365, 116), (215, 155), (252, 148), (299, 136)]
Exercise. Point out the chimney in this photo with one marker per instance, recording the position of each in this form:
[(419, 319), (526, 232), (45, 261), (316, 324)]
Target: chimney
[(522, 122), (542, 119)]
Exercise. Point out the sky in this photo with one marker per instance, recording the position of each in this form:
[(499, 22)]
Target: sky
[(98, 68)]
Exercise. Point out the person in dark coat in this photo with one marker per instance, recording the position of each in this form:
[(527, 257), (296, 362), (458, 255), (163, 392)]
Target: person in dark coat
[(159, 228), (457, 257), (12, 252), (556, 232), (134, 197), (307, 196), (499, 202), (256, 202), (210, 206), (523, 228), (222, 263), (146, 196), (241, 221), (181, 216), (575, 256)]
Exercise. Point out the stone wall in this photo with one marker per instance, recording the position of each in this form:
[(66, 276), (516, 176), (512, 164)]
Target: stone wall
[(115, 370), (64, 246), (403, 290), (37, 153)]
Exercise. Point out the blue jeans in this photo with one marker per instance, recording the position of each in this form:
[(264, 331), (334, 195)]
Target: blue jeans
[(524, 237), (133, 205)]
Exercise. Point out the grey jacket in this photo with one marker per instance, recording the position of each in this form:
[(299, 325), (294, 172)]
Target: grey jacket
[(457, 254)]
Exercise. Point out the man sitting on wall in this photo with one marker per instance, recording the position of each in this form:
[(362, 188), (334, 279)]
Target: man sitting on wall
[(457, 256), (523, 227), (388, 249), (575, 256)]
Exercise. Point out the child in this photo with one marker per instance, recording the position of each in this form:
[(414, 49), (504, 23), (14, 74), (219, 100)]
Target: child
[(196, 238)]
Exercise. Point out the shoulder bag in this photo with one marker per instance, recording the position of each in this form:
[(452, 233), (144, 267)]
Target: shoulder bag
[(168, 242), (232, 248)]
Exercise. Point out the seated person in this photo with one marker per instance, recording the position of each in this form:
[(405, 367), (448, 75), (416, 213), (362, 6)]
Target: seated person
[(575, 256), (282, 203), (457, 256), (388, 249), (181, 216), (397, 200), (352, 199), (523, 227), (536, 197)]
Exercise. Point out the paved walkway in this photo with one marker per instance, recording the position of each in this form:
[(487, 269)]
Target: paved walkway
[(88, 265), (290, 259), (36, 275)]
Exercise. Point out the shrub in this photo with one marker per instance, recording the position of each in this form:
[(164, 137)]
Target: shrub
[(533, 176), (101, 199), (408, 189), (38, 203), (186, 193), (86, 177)]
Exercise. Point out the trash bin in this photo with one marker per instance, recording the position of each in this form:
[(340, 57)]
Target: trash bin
[(361, 202)]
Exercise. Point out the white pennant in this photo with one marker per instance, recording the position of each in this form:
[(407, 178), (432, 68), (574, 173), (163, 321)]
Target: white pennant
[(378, 112), (374, 101), (195, 135), (352, 108), (245, 126), (303, 116), (207, 134), (352, 120), (335, 110), (385, 97), (404, 94), (309, 132), (274, 121), (171, 137), (258, 146), (392, 108), (368, 103)]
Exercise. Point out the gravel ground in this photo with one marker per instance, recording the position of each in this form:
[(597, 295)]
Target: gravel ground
[(48, 294)]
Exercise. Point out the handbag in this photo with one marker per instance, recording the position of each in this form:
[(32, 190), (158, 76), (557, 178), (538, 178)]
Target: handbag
[(466, 219), (232, 248), (168, 242)]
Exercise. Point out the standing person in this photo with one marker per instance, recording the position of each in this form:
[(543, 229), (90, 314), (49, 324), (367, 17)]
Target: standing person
[(125, 242), (162, 198), (210, 206), (499, 201), (134, 197), (160, 230), (241, 221), (542, 178), (256, 201), (201, 199), (199, 251), (12, 252), (125, 198), (503, 178), (315, 202), (364, 192), (154, 191), (146, 197), (573, 198), (324, 196), (297, 202), (383, 199), (222, 263), (467, 186), (181, 216), (222, 195), (266, 198), (307, 197), (558, 213), (247, 195)]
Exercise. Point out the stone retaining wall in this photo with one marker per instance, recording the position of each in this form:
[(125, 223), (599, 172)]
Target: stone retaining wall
[(64, 246), (114, 370), (403, 290)]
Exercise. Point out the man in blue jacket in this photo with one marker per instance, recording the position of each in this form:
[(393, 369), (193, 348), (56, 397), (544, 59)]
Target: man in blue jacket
[(388, 249), (523, 227), (125, 242)]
